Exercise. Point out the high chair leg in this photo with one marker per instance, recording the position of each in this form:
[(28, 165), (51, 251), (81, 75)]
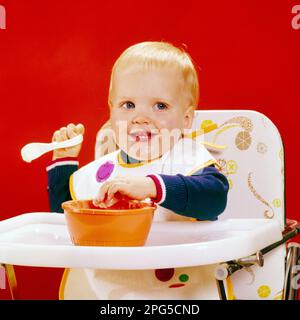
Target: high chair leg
[(221, 290), (12, 281)]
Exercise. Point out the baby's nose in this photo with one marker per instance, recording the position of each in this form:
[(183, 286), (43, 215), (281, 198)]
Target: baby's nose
[(141, 119)]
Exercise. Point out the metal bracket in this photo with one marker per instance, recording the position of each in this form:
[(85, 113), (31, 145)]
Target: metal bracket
[(11, 279), (255, 259)]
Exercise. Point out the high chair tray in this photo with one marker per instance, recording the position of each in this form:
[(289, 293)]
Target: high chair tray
[(42, 239)]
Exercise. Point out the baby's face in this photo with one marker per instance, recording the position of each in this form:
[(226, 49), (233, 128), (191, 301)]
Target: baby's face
[(146, 105)]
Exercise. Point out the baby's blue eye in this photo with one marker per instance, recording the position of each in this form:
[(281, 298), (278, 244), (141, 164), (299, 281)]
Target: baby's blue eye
[(128, 105), (160, 106)]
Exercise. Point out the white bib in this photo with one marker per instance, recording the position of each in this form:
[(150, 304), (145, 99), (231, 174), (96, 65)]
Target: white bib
[(186, 157)]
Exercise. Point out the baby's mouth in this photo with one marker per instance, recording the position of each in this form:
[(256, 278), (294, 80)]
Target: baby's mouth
[(141, 135)]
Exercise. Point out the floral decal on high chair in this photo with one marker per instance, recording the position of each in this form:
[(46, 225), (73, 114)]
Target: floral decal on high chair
[(253, 165)]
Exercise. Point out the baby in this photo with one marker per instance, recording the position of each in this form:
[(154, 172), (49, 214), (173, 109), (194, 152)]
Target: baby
[(152, 97)]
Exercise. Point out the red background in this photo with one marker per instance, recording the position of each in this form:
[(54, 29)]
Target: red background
[(55, 62)]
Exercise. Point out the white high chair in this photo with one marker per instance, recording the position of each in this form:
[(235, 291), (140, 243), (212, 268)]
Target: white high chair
[(243, 255)]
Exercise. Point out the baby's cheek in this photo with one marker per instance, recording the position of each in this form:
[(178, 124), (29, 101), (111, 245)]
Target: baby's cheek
[(166, 124), (171, 123), (120, 128)]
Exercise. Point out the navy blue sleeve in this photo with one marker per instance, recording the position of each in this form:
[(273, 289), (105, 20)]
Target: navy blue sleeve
[(202, 196), (58, 186)]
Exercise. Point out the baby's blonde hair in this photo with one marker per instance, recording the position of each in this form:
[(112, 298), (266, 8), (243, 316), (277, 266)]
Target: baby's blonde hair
[(151, 54)]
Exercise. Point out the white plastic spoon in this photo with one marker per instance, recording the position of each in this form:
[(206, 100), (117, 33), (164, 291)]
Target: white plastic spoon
[(34, 150)]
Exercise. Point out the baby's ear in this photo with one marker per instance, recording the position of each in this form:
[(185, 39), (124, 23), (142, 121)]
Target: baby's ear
[(189, 117)]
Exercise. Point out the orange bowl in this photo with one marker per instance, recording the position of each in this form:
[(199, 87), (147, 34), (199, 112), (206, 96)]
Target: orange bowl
[(89, 225)]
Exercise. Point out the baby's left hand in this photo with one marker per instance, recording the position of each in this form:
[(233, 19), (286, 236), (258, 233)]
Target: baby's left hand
[(137, 188)]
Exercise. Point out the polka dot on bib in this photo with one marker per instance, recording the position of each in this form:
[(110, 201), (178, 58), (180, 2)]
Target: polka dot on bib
[(105, 171)]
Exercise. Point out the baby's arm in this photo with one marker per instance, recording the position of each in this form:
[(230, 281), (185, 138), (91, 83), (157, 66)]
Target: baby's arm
[(59, 173), (64, 163), (202, 196)]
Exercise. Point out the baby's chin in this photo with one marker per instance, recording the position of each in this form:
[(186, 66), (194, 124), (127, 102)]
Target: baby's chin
[(143, 152)]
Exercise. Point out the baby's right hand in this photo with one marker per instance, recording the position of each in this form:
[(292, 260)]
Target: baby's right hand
[(65, 133)]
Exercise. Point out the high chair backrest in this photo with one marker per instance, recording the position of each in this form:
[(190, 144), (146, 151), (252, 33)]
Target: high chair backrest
[(252, 160)]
